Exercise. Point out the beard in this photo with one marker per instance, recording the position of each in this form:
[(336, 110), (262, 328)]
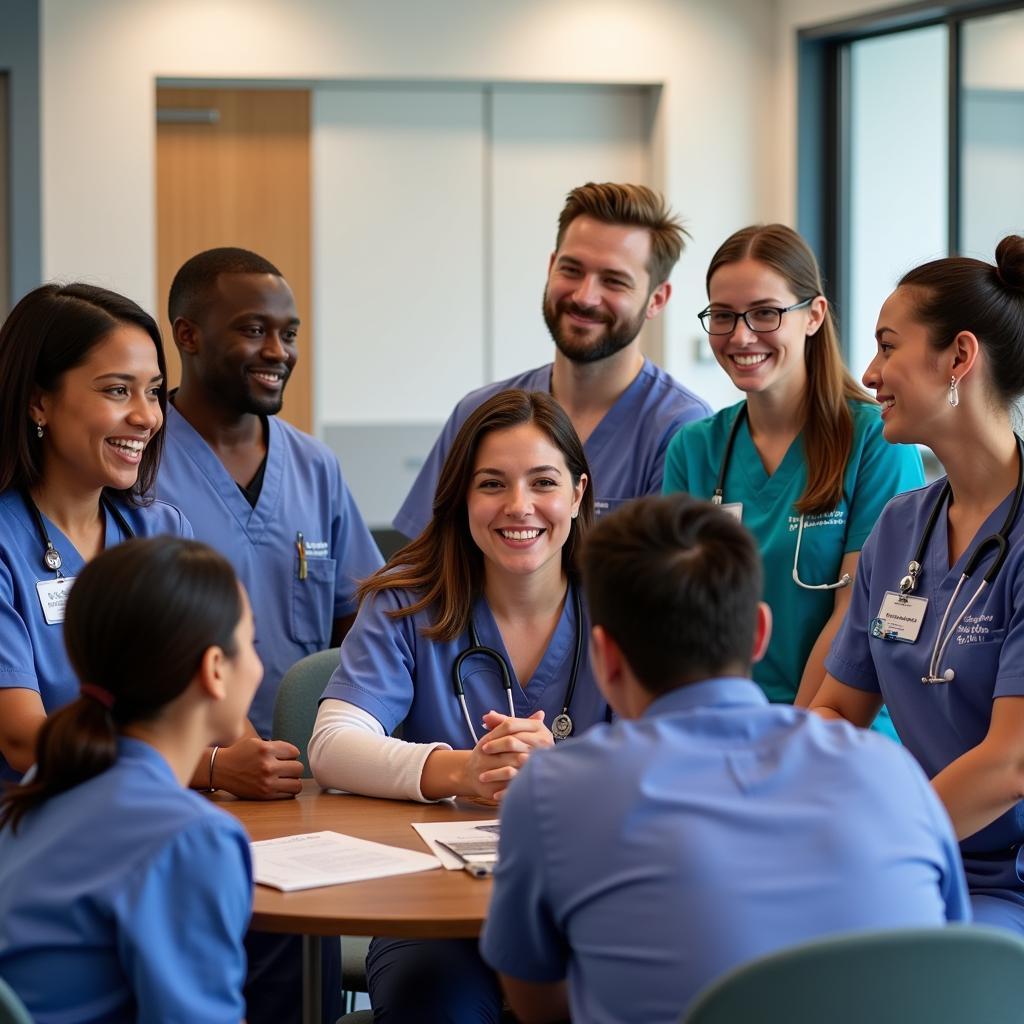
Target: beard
[(576, 345)]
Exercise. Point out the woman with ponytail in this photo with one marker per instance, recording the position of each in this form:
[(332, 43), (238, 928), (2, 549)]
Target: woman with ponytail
[(801, 460), (940, 640), (123, 895), (81, 410)]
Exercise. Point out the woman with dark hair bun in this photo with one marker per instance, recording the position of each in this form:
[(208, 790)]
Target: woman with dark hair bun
[(473, 637), (81, 409), (936, 621), (106, 859)]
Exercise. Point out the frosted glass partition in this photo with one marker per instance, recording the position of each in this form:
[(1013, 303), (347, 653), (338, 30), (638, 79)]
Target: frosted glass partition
[(992, 132), (898, 171)]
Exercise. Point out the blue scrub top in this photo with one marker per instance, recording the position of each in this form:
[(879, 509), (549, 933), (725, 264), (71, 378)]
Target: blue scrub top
[(876, 471), (391, 671), (626, 451), (939, 722), (303, 492), (125, 899), (32, 654), (648, 857)]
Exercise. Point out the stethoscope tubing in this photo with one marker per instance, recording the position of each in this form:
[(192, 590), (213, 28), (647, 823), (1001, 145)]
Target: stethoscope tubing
[(476, 649), (716, 499)]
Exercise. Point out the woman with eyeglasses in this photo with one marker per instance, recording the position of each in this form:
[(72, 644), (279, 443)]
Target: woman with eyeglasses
[(801, 461)]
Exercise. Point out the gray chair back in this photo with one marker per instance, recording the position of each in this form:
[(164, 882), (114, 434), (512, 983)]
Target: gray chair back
[(952, 975), (298, 697)]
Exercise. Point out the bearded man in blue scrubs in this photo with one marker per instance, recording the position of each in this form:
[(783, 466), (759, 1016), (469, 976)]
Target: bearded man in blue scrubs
[(705, 827), (272, 500), (615, 249)]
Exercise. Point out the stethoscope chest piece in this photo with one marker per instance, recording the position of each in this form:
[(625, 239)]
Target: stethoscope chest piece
[(561, 726), (51, 558)]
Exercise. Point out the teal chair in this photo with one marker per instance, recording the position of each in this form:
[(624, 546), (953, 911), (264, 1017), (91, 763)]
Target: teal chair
[(12, 1009), (294, 717), (961, 974), (298, 697)]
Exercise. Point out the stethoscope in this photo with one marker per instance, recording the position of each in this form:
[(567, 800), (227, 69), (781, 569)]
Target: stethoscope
[(1000, 540), (562, 725), (51, 556), (716, 499)]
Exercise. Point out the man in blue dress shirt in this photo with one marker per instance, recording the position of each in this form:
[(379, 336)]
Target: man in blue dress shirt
[(705, 827), (615, 249)]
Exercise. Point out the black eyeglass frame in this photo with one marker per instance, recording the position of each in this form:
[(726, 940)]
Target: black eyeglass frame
[(736, 317)]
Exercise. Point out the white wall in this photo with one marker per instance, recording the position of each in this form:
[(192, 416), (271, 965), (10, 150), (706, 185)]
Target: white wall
[(713, 58)]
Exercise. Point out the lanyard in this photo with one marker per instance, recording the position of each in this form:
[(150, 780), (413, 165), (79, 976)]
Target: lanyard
[(51, 556)]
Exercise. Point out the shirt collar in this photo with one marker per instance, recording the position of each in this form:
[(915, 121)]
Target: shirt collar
[(725, 691)]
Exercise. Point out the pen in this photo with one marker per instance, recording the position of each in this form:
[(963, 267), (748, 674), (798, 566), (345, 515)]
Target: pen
[(300, 544), (471, 868)]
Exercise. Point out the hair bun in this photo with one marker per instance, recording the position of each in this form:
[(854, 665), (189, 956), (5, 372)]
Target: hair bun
[(1010, 262)]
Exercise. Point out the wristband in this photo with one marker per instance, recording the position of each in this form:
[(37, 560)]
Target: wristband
[(213, 757)]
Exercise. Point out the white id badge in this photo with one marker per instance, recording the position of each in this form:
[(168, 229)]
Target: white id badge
[(734, 508), (899, 617), (53, 596)]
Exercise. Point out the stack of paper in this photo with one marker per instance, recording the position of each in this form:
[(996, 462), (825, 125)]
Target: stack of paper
[(330, 858)]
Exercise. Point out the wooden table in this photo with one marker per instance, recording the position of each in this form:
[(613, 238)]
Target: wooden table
[(430, 904)]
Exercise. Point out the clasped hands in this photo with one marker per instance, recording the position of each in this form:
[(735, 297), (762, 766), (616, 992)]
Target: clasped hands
[(503, 750)]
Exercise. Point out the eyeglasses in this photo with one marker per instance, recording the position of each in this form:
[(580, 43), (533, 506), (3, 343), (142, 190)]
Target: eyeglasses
[(760, 320)]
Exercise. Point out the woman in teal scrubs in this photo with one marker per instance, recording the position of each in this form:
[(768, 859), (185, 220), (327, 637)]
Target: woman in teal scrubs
[(807, 470)]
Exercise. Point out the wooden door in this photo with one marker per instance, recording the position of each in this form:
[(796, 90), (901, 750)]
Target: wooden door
[(241, 179)]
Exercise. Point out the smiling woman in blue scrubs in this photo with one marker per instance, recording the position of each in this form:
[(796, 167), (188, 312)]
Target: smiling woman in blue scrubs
[(945, 653), (495, 568), (81, 408), (801, 461), (105, 856)]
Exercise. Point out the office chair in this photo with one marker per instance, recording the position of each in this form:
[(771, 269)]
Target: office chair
[(948, 975)]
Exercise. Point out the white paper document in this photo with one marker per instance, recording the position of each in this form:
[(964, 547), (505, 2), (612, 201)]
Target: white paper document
[(330, 858), (475, 841)]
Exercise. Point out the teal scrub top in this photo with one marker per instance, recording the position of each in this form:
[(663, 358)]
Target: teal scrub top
[(876, 472)]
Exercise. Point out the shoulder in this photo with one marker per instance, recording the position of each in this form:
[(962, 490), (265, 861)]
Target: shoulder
[(669, 395), (299, 443), (156, 518), (709, 430)]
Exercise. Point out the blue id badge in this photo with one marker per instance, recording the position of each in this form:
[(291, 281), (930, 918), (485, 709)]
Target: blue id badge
[(899, 617)]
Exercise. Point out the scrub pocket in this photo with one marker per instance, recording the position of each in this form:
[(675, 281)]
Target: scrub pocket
[(313, 603)]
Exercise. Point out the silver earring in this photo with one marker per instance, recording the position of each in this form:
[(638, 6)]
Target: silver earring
[(954, 396), (39, 430)]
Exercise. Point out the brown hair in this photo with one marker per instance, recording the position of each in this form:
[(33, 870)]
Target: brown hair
[(961, 294), (443, 564), (635, 206), (50, 331), (140, 618), (827, 420), (676, 583)]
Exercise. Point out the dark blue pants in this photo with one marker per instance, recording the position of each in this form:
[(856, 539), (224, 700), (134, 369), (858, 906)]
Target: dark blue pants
[(273, 985), (433, 981)]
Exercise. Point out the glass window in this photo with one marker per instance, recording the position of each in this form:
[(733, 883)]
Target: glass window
[(991, 132), (898, 200)]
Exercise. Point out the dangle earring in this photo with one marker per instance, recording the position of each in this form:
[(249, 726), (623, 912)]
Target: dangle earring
[(39, 430), (954, 396)]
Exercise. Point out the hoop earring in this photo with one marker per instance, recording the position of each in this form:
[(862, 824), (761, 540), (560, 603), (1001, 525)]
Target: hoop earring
[(954, 396)]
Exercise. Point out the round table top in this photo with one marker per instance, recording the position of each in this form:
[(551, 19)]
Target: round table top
[(429, 904)]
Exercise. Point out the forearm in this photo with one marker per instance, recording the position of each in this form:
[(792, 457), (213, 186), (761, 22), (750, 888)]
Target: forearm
[(349, 751), (838, 701), (978, 787), (814, 670), (21, 717), (202, 776)]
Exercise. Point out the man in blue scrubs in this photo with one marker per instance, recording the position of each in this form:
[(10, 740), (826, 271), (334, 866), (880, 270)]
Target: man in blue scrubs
[(728, 827), (615, 249), (272, 500)]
